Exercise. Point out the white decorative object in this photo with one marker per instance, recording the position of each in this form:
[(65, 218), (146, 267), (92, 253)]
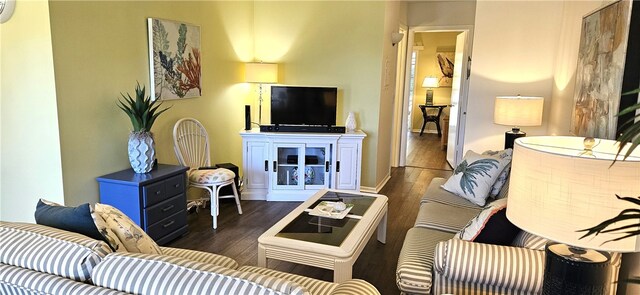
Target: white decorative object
[(340, 206), (309, 175), (141, 151), (6, 9), (350, 124)]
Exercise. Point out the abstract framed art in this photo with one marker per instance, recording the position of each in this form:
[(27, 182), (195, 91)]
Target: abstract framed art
[(174, 59), (604, 70)]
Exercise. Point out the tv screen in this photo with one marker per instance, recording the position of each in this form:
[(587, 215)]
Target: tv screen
[(297, 105)]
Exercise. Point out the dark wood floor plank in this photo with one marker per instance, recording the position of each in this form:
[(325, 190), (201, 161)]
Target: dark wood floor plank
[(237, 235)]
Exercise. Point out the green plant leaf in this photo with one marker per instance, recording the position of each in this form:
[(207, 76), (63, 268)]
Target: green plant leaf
[(141, 110)]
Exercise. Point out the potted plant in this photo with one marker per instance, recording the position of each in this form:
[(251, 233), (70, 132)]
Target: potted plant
[(143, 112)]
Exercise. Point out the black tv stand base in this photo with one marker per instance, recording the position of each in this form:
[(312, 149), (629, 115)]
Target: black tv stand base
[(302, 128)]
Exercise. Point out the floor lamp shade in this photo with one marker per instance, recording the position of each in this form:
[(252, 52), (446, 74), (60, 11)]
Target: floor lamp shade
[(266, 73), (557, 187)]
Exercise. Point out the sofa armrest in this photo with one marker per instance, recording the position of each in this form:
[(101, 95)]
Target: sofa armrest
[(519, 269), (355, 286), (199, 256)]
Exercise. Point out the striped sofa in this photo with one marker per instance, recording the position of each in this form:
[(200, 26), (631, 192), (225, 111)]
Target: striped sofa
[(433, 262), (36, 259)]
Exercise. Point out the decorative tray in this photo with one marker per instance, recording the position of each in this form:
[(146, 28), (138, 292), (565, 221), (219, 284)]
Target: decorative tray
[(325, 209)]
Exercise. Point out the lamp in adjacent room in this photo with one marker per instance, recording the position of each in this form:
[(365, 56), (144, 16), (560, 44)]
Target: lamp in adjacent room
[(517, 111), (560, 185), (261, 73), (429, 83)]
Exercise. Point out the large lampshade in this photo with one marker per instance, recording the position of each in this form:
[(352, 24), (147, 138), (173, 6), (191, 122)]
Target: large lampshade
[(557, 188), (265, 73), (518, 110)]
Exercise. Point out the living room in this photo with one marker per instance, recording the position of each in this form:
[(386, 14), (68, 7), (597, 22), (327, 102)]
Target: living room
[(76, 57)]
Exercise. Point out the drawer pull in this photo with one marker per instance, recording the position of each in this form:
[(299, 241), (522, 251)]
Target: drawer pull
[(165, 209), (168, 224), (177, 185), (158, 192)]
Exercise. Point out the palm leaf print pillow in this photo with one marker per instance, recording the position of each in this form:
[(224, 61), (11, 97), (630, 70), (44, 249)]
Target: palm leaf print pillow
[(474, 177)]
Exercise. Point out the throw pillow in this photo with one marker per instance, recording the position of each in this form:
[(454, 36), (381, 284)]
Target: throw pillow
[(133, 238), (73, 219), (530, 241), (109, 236), (474, 177), (490, 226), (504, 176)]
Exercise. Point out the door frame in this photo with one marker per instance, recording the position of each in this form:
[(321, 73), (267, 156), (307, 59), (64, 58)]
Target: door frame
[(400, 140)]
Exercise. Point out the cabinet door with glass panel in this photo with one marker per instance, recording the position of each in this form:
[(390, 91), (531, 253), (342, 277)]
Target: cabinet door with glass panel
[(300, 166)]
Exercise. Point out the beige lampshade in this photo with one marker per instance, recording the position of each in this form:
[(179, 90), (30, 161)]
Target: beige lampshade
[(556, 189), (518, 110), (430, 82), (265, 73)]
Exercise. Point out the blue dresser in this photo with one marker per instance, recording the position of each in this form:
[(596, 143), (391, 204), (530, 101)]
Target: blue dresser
[(156, 201)]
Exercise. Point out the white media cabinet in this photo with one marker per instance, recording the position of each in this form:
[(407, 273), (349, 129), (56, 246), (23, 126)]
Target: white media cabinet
[(280, 166)]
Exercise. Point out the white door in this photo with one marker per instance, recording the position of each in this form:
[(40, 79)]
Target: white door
[(458, 111)]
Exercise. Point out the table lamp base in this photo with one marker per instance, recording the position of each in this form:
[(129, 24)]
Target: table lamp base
[(570, 270)]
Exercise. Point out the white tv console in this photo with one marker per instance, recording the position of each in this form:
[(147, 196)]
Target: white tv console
[(280, 166)]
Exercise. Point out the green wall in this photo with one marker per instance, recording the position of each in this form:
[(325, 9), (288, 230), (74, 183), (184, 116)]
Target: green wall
[(100, 49), (329, 43)]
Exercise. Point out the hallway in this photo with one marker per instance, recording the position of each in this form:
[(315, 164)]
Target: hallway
[(425, 152)]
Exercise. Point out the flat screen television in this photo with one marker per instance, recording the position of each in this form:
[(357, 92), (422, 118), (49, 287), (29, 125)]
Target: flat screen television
[(299, 105)]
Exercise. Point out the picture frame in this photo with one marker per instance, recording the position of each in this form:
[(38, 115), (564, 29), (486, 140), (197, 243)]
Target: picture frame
[(445, 61), (605, 70), (174, 59)]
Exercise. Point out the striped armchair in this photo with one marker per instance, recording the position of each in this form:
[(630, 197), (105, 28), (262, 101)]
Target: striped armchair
[(433, 262)]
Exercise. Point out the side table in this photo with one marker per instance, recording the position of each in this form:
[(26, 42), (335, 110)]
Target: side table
[(156, 201)]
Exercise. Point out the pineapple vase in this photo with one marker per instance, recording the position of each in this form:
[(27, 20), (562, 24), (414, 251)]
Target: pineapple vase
[(143, 112), (142, 152)]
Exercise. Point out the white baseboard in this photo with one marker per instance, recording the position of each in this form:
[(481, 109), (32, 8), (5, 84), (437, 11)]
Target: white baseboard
[(378, 188)]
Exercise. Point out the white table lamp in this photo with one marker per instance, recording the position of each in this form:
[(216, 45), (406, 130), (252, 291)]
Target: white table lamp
[(560, 185), (429, 83), (517, 111)]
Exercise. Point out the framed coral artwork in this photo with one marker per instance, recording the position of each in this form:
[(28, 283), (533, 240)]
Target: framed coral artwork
[(445, 63), (174, 59)]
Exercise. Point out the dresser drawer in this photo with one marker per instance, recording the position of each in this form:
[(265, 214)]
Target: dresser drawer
[(154, 193), (174, 185), (168, 225), (164, 209)]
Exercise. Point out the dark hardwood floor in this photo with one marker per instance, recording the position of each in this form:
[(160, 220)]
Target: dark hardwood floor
[(425, 151), (237, 235)]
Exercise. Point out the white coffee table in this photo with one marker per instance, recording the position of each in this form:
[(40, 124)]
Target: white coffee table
[(323, 242)]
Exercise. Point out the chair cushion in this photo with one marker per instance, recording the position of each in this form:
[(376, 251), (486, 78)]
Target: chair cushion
[(18, 280), (437, 194), (444, 217), (314, 286), (413, 274), (199, 256), (213, 176), (130, 272), (50, 250)]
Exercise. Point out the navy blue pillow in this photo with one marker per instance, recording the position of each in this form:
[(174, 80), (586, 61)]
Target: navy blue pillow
[(498, 230), (73, 219)]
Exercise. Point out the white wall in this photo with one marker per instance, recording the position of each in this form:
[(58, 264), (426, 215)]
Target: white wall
[(440, 13), (31, 165), (514, 52)]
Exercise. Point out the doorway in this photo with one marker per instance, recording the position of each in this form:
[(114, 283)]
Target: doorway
[(431, 57)]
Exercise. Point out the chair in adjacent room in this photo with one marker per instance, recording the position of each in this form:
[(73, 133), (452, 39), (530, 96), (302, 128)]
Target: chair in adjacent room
[(191, 144)]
